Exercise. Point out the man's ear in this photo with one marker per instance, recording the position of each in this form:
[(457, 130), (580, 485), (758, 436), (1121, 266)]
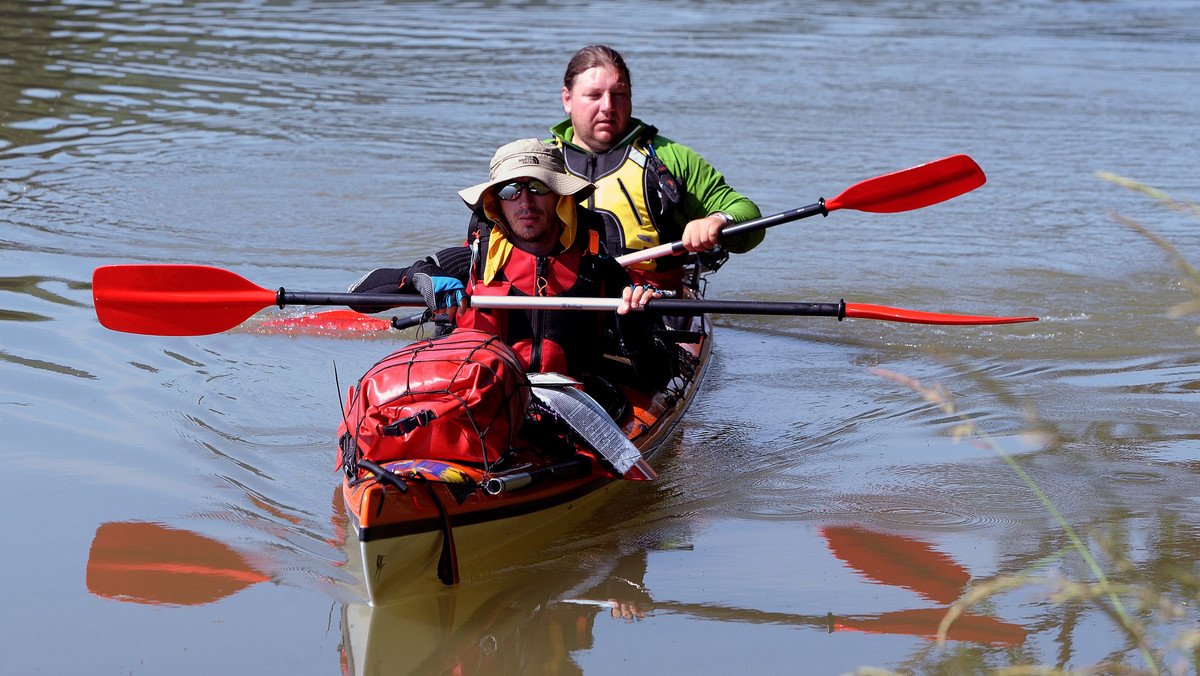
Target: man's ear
[(566, 100)]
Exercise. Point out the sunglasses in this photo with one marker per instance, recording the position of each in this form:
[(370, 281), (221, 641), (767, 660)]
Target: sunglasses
[(511, 191)]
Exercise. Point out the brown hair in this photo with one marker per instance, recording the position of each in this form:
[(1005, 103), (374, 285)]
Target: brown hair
[(595, 56)]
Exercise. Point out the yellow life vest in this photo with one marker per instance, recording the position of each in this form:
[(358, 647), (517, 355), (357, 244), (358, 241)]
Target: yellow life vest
[(622, 193), (630, 198)]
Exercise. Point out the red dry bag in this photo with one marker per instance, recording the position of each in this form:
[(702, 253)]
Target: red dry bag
[(459, 397)]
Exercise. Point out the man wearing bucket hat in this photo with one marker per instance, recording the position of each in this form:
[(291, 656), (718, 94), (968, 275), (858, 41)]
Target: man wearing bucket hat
[(542, 244)]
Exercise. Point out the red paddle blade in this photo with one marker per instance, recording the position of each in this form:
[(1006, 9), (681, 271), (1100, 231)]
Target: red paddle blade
[(150, 563), (328, 323), (912, 188), (892, 314), (174, 300)]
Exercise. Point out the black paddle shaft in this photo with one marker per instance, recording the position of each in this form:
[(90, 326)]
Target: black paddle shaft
[(383, 301), (666, 306), (685, 307), (763, 223), (776, 219)]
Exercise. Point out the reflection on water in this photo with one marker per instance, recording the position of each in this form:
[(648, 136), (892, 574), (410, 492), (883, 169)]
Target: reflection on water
[(29, 299), (532, 616), (150, 563), (915, 565), (899, 561)]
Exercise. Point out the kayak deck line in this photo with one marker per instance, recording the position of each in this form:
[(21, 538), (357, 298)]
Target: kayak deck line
[(479, 516)]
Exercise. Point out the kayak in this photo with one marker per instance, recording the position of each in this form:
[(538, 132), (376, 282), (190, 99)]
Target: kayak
[(438, 512)]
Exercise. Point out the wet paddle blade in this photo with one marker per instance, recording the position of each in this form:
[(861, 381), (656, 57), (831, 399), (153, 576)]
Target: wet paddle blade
[(892, 314), (328, 323), (912, 188), (174, 300)]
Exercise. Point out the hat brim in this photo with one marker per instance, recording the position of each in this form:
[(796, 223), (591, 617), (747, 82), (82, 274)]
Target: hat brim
[(563, 184)]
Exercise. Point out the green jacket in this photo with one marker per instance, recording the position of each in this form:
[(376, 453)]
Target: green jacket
[(703, 189)]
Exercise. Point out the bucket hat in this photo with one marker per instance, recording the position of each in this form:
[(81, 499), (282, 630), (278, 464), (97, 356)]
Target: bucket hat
[(533, 158)]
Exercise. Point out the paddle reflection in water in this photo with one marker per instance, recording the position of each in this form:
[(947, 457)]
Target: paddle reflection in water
[(155, 564), (914, 565), (473, 628)]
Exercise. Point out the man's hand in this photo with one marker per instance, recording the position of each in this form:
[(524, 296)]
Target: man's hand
[(703, 234), (625, 611), (634, 296)]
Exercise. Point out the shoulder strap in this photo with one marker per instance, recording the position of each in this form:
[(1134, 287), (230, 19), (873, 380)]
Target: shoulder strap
[(669, 194), (479, 249), (479, 223), (591, 225)]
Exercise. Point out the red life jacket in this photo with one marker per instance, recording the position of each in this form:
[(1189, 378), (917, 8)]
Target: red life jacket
[(559, 341)]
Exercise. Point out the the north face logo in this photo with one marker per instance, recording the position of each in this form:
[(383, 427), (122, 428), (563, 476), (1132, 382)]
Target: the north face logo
[(529, 159)]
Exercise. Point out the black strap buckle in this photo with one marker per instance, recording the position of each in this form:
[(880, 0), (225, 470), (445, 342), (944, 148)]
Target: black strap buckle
[(406, 425)]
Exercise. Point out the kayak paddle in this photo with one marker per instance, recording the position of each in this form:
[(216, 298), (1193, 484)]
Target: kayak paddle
[(687, 307), (903, 190), (195, 300)]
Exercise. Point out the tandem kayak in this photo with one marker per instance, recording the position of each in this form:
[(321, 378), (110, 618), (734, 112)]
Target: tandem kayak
[(438, 512)]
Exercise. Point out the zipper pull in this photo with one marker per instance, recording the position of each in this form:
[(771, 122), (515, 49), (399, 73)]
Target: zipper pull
[(541, 285)]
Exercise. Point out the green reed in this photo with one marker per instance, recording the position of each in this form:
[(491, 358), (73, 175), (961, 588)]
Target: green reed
[(1101, 593), (1192, 282)]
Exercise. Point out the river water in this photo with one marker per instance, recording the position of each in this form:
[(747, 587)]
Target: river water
[(812, 516)]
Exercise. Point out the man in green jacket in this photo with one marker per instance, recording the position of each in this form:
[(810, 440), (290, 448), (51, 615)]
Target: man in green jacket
[(649, 189)]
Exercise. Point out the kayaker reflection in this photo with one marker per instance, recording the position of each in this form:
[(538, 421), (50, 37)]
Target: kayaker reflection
[(615, 588), (650, 190), (567, 625), (539, 242)]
